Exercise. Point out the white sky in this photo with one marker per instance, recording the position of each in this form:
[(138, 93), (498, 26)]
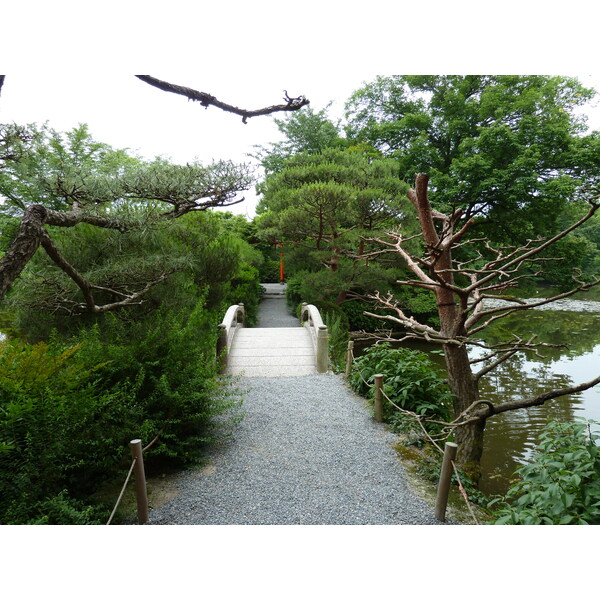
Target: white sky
[(247, 54), (70, 62)]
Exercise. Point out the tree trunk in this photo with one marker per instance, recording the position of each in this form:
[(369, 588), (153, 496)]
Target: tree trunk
[(464, 387), (23, 246)]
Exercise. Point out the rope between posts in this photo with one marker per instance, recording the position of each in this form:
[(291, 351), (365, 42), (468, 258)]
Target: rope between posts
[(112, 514), (402, 410), (419, 420), (122, 491), (464, 493)]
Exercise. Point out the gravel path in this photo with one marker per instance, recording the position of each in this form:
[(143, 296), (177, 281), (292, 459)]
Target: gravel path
[(307, 453), (273, 312)]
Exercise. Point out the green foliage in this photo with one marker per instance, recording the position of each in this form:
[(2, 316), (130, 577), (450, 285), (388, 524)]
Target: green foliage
[(358, 321), (561, 486), (409, 379), (325, 206), (507, 149), (304, 131), (337, 329), (68, 412), (70, 404)]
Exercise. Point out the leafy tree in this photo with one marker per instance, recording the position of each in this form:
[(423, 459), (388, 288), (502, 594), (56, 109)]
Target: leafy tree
[(62, 182), (187, 189), (506, 148), (304, 131), (325, 206)]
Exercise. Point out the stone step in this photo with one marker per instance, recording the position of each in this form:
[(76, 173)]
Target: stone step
[(271, 352), (280, 371)]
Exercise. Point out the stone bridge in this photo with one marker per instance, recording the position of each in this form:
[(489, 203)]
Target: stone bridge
[(280, 345)]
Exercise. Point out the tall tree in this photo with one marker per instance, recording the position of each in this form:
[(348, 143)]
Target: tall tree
[(328, 204), (508, 149), (460, 286)]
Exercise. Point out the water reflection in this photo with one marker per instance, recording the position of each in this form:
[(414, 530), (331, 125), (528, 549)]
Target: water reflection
[(511, 436)]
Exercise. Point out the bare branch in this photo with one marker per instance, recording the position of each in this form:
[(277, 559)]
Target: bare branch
[(506, 310), (505, 356), (207, 100), (86, 288), (65, 266), (539, 400)]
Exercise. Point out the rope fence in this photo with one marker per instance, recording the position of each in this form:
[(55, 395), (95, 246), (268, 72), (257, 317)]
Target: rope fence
[(137, 465), (448, 452)]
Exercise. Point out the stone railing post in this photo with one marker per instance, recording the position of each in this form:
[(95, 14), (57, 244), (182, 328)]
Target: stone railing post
[(322, 349), (222, 348)]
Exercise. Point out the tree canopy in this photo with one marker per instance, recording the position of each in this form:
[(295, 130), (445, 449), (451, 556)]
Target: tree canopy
[(327, 204), (509, 149)]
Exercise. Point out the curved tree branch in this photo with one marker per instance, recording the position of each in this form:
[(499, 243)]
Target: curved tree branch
[(207, 100), (23, 246)]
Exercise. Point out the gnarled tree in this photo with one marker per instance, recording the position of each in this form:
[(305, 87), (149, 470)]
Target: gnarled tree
[(461, 287), (66, 193)]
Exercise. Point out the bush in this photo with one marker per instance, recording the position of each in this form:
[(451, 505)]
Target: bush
[(409, 379), (561, 486), (358, 321), (337, 329), (68, 411)]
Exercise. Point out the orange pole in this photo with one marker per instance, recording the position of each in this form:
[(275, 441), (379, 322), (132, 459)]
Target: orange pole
[(281, 273)]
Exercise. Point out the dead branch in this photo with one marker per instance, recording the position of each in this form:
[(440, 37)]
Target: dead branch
[(536, 250), (207, 100), (506, 310)]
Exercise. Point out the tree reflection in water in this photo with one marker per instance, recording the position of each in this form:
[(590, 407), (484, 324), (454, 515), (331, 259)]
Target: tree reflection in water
[(511, 436)]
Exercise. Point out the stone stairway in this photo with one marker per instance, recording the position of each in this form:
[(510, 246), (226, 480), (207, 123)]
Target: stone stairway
[(272, 352), (278, 347)]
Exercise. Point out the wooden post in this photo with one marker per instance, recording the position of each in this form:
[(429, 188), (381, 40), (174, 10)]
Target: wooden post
[(443, 490), (140, 481), (378, 404), (349, 356)]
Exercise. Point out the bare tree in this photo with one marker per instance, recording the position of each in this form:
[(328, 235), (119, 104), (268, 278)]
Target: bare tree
[(460, 290)]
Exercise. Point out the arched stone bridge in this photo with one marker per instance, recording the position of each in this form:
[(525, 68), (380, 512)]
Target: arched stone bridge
[(280, 345)]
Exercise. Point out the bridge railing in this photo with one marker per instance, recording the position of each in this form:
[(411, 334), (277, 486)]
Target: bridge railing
[(310, 317), (232, 321)]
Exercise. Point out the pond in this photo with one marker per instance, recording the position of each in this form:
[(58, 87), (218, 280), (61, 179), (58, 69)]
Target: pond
[(511, 436)]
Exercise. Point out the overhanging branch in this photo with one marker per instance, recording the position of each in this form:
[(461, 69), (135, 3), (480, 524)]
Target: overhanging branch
[(207, 100)]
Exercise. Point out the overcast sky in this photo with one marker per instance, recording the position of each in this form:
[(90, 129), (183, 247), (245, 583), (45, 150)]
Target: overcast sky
[(70, 62), (125, 112)]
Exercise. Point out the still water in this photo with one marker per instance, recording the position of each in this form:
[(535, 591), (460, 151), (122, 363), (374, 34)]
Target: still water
[(511, 437)]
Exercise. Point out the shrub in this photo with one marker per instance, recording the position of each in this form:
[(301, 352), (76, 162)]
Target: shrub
[(337, 329), (561, 486), (409, 379), (69, 410), (358, 321)]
